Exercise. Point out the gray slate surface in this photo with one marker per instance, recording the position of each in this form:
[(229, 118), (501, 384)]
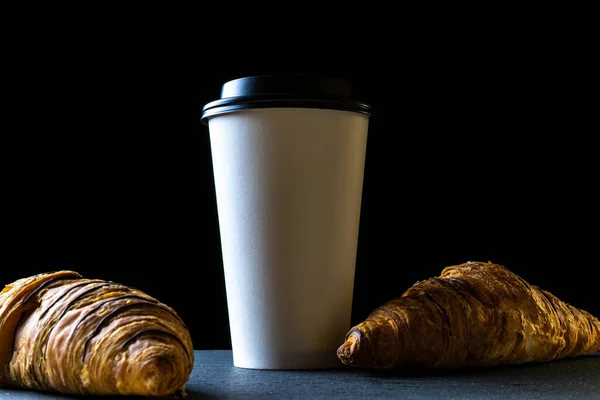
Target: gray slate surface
[(215, 377)]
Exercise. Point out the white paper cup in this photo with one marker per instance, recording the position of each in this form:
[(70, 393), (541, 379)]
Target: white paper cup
[(288, 186)]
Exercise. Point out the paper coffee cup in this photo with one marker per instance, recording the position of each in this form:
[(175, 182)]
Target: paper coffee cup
[(288, 159)]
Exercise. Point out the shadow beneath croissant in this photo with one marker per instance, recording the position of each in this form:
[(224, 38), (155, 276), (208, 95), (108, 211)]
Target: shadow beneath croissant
[(193, 394), (502, 369)]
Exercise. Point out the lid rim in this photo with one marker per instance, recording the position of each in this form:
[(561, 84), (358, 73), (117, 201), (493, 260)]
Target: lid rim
[(228, 108)]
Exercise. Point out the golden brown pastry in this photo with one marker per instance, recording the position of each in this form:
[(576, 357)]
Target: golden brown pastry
[(61, 332), (474, 314)]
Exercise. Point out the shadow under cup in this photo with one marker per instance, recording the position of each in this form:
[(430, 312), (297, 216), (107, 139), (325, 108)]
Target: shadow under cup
[(288, 158)]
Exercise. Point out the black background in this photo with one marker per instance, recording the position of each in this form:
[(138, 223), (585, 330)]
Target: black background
[(480, 148)]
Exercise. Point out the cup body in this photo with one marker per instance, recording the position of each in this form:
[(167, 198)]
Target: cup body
[(288, 187)]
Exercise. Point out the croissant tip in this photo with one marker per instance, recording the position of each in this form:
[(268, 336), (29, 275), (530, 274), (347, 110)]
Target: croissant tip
[(349, 349), (150, 379)]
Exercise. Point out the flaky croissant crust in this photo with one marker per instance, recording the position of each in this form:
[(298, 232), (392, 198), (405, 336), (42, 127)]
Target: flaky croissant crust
[(473, 314), (59, 331)]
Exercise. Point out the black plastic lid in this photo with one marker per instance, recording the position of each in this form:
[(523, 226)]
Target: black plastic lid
[(302, 91)]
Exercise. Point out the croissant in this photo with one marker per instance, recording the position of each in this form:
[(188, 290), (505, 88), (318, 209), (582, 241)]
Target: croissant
[(473, 314), (61, 332)]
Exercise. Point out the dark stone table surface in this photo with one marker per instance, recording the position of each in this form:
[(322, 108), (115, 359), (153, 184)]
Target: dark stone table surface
[(215, 377)]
